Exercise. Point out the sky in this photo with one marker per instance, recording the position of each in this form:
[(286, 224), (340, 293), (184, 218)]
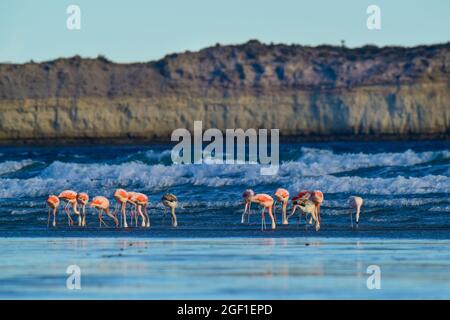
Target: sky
[(144, 30)]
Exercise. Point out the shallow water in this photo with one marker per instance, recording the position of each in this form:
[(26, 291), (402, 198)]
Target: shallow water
[(233, 268), (405, 224)]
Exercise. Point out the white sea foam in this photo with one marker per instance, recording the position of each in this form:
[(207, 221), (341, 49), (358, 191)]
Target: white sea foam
[(139, 176), (312, 171), (316, 162), (388, 202), (12, 166), (383, 186), (440, 209), (157, 155)]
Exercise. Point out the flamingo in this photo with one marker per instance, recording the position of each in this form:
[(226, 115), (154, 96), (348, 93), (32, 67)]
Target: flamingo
[(140, 200), (247, 195), (315, 196), (355, 203), (282, 195), (170, 201), (53, 204), (265, 201), (121, 197), (71, 198), (307, 207), (102, 205), (82, 199)]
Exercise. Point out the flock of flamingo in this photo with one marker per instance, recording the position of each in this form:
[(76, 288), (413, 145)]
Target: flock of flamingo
[(307, 201), (138, 202)]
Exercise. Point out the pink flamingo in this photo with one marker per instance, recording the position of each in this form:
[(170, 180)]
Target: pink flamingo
[(102, 205), (282, 195), (140, 200), (266, 202), (355, 203), (53, 204), (71, 198), (122, 197), (246, 196), (82, 199)]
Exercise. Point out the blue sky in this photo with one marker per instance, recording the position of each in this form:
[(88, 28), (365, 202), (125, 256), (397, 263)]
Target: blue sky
[(138, 30)]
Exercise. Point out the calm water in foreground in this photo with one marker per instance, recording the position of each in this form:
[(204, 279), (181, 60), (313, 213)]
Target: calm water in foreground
[(405, 225)]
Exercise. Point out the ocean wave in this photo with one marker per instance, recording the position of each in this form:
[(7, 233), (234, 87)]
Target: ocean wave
[(158, 155), (440, 209), (155, 178), (388, 202), (13, 166), (316, 162), (373, 186), (314, 169)]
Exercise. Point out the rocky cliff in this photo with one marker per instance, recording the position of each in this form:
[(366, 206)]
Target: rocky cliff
[(315, 92)]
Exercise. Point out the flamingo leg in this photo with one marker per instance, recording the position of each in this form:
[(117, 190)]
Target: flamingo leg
[(54, 217), (283, 213), (263, 219), (48, 219), (351, 218), (141, 214), (272, 218), (116, 208), (83, 221), (124, 214), (75, 211), (245, 212), (100, 218), (147, 217), (112, 216), (69, 217)]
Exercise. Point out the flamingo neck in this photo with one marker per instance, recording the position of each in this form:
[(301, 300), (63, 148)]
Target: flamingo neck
[(74, 206)]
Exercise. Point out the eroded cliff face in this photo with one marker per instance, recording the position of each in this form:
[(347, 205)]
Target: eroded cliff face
[(311, 92)]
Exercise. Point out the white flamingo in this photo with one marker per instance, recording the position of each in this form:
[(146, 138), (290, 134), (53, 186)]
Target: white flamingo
[(170, 201), (307, 207), (355, 202)]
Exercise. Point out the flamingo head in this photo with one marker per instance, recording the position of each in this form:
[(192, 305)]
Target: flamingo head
[(305, 195), (248, 195), (82, 198), (53, 201), (298, 200), (281, 195)]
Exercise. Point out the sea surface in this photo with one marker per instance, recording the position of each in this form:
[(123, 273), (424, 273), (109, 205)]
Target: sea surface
[(404, 229)]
